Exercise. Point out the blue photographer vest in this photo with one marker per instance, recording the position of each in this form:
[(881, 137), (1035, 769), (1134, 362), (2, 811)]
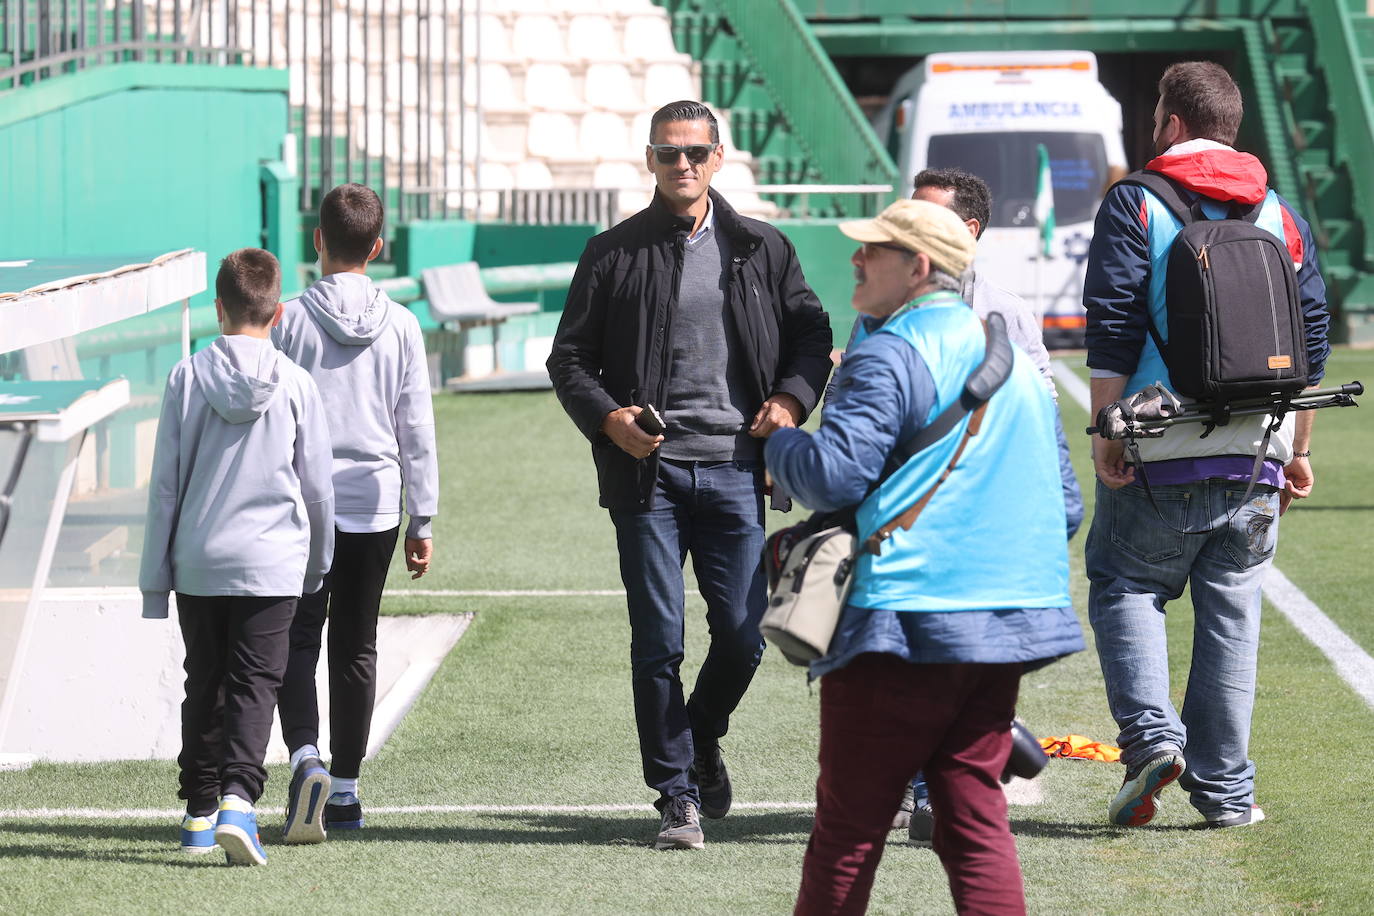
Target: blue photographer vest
[(993, 535)]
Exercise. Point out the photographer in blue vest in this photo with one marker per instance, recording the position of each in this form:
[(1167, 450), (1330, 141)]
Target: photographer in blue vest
[(924, 667)]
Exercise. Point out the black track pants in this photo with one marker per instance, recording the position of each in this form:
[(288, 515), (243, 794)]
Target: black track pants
[(350, 598), (236, 650)]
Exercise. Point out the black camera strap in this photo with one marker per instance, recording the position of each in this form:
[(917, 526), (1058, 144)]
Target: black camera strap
[(1280, 411)]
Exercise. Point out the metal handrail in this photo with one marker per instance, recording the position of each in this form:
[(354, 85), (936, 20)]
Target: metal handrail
[(1339, 53), (97, 51), (163, 327), (803, 83)]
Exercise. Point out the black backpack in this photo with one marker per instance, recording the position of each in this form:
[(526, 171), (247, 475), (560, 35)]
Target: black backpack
[(1233, 311)]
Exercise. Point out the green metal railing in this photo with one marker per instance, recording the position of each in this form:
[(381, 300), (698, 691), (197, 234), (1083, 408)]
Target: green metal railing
[(1279, 133), (1339, 53), (804, 85)]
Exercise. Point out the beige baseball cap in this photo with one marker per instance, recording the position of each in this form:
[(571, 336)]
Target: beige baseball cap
[(919, 226)]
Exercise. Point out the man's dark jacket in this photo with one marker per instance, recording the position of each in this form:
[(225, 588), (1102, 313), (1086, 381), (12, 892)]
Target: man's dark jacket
[(614, 343)]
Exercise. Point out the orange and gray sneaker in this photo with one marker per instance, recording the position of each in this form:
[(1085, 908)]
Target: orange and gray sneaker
[(1138, 801)]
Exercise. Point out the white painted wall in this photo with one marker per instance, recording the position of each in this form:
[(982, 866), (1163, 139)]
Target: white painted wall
[(104, 684)]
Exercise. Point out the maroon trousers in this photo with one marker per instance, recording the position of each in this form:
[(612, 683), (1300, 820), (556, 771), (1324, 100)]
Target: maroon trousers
[(883, 719)]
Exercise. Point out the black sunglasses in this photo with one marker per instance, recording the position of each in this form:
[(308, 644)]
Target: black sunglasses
[(696, 153), (889, 246)]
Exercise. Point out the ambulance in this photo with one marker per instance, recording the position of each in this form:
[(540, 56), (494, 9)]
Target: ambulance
[(988, 113)]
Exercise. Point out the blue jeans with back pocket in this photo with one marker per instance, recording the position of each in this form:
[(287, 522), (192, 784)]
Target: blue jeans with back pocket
[(1136, 564)]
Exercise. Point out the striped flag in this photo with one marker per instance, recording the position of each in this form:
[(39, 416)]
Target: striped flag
[(1044, 202)]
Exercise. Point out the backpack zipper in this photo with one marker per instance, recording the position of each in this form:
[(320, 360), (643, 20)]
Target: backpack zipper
[(1202, 258)]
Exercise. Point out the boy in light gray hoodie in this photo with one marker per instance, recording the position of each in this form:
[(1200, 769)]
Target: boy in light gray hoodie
[(240, 523), (367, 355)]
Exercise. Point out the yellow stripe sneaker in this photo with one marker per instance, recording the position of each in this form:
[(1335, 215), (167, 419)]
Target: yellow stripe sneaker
[(237, 832), (198, 834)]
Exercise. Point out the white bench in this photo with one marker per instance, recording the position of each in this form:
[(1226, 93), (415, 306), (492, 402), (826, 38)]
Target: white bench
[(458, 301)]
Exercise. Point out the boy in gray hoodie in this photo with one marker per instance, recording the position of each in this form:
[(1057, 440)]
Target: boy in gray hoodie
[(367, 355), (240, 523)]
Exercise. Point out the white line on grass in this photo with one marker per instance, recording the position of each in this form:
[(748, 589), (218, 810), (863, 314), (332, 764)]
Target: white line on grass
[(1070, 382), (1352, 663), (96, 814), (1019, 792), (504, 593)]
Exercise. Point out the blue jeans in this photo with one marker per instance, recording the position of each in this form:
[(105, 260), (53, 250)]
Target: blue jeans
[(713, 511), (1135, 565), (1073, 496)]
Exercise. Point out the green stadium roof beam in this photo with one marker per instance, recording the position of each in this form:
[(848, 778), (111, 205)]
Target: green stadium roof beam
[(899, 38)]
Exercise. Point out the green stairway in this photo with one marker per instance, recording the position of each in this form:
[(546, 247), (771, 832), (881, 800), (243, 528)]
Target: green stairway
[(1328, 75), (786, 103)]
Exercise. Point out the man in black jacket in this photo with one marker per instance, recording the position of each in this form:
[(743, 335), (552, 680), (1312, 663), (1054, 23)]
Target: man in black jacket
[(692, 309)]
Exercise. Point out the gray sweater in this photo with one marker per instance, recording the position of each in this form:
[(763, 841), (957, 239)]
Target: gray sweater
[(367, 356), (707, 413), (240, 501)]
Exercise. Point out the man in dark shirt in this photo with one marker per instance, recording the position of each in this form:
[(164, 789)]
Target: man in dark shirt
[(703, 314)]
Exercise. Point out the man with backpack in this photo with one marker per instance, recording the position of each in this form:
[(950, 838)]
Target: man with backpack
[(1176, 511)]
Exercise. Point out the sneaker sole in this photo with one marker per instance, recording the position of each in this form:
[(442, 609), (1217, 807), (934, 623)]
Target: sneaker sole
[(1140, 807), (238, 846), (309, 799), (679, 844), (199, 850), (345, 825)]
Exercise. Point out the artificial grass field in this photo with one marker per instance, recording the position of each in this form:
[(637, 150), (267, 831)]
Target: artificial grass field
[(533, 709)]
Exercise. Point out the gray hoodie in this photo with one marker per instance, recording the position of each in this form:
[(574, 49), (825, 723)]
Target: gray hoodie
[(240, 501), (367, 356)]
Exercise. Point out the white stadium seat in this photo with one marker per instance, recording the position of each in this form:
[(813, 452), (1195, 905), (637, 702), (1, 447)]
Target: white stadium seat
[(664, 83), (553, 135), (650, 38), (593, 38), (550, 87), (498, 89), (488, 35), (604, 134), (538, 38), (621, 174), (532, 174), (609, 86)]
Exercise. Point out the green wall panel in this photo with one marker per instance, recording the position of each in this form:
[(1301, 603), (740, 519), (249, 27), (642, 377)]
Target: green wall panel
[(503, 245), (139, 169), (824, 255), (137, 158)]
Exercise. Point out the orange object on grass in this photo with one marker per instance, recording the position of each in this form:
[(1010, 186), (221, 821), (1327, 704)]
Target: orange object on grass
[(1081, 748)]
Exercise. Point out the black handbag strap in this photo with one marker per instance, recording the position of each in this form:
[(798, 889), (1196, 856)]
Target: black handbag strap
[(989, 375), (982, 383), (1260, 455)]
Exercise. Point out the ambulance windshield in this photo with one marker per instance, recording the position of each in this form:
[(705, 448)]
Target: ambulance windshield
[(1008, 162)]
